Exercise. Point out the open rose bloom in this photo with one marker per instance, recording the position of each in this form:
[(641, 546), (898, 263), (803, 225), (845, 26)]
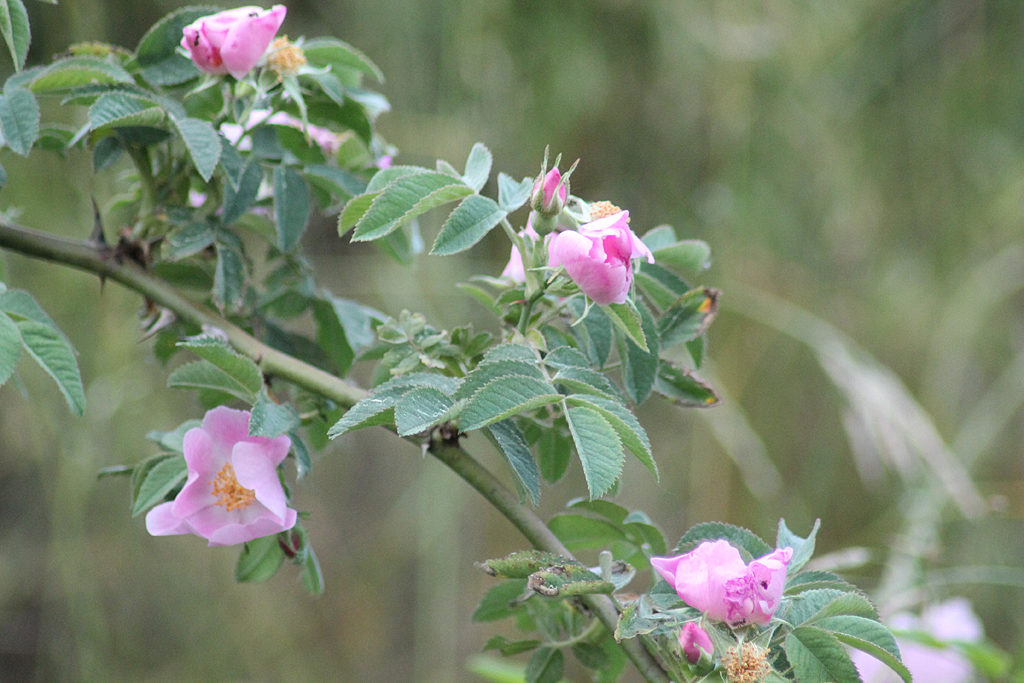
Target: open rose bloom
[(714, 579), (598, 257), (233, 41), (233, 493)]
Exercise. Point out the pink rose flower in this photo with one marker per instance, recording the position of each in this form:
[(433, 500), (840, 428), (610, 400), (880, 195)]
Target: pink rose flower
[(233, 493), (694, 639), (233, 41), (598, 257), (714, 579)]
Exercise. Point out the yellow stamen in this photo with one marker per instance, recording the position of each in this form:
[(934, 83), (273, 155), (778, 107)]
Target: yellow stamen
[(228, 492), (286, 58), (602, 209)]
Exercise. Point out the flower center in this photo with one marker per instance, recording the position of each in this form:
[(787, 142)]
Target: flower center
[(602, 209), (746, 663), (286, 57), (228, 492)]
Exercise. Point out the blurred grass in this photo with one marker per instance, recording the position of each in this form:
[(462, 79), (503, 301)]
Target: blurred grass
[(863, 161)]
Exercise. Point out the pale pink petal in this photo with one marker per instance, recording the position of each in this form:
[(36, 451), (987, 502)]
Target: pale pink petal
[(256, 468), (226, 426), (161, 521)]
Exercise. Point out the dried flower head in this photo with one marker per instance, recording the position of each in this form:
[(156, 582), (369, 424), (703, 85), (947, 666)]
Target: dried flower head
[(746, 663), (286, 58)]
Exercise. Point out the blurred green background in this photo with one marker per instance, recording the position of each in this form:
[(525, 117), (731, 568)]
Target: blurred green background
[(863, 161)]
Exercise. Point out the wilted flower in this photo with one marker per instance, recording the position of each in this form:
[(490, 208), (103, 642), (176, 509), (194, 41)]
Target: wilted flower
[(233, 493), (953, 620), (694, 639), (714, 579), (232, 41), (286, 58), (598, 257)]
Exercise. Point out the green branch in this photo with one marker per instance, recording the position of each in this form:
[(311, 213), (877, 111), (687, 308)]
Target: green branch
[(103, 261)]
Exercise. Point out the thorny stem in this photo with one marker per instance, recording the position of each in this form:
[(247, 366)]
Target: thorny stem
[(105, 262)]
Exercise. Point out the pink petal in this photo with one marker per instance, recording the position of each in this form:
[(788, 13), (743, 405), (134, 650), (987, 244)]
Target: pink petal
[(256, 468), (161, 521), (248, 39), (225, 427)]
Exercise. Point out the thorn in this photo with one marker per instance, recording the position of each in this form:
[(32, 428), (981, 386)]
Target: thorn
[(97, 226)]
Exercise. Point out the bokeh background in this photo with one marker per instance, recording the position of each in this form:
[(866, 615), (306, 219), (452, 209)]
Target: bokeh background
[(857, 168)]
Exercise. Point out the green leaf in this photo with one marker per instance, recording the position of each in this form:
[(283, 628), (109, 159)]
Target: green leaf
[(260, 560), (504, 397), (291, 206), (803, 548), (467, 225), (228, 278), (238, 198), (818, 656), (579, 532), (512, 193), (240, 369), (54, 354), (174, 439), (814, 580), (338, 182), (627, 318), (487, 372), (189, 240), (372, 409), (420, 409), (332, 337), (354, 211), (121, 109), (688, 317), (683, 388), (333, 52), (661, 285), (157, 51), (20, 304), (598, 446), (15, 30), (205, 375), (689, 255), (271, 419), (553, 453), (202, 142), (498, 601), (877, 651), (513, 445), (19, 118), (640, 365), (586, 381), (821, 603), (625, 424), (405, 198), (744, 539), (10, 347), (659, 237), (545, 666), (478, 167), (863, 630), (568, 580), (74, 72), (159, 480), (595, 333)]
